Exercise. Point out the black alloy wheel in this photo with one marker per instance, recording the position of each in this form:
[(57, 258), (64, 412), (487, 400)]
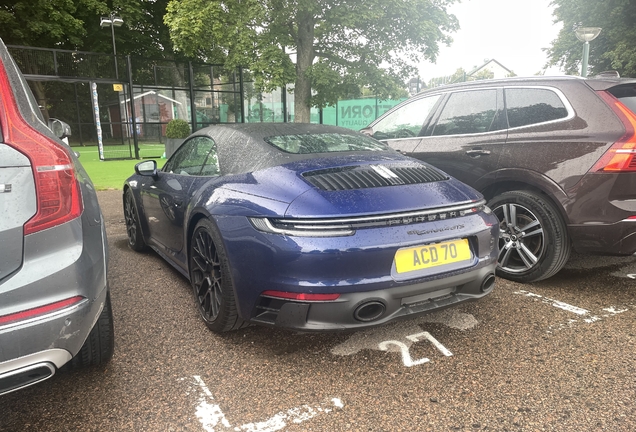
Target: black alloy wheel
[(133, 228), (533, 240), (211, 280)]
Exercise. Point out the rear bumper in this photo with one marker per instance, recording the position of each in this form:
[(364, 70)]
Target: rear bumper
[(62, 333), (359, 268), (367, 309), (61, 263)]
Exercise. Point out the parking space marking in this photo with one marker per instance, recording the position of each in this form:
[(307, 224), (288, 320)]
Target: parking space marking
[(587, 315), (555, 303), (212, 417), (208, 413), (431, 339), (371, 338), (406, 355)]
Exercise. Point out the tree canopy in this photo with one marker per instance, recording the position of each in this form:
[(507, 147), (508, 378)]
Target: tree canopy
[(74, 25), (339, 47), (613, 49)]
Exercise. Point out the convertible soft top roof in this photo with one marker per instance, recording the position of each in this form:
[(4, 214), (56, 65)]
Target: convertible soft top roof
[(241, 147), (263, 130)]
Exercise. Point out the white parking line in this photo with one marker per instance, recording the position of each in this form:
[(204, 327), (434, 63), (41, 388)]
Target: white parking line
[(587, 316), (212, 417), (555, 303), (209, 414)]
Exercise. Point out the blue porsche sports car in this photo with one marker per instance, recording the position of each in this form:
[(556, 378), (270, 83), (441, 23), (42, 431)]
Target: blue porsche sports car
[(310, 227)]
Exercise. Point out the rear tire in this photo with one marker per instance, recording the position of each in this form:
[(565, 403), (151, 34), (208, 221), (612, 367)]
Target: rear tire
[(100, 344), (211, 279), (533, 239)]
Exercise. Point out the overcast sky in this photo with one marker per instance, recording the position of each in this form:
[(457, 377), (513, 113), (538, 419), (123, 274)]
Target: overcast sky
[(509, 31)]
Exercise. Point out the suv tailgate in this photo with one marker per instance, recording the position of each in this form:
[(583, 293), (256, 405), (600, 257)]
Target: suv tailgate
[(17, 205)]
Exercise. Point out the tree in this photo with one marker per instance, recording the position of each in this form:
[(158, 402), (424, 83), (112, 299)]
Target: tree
[(45, 23), (340, 47), (614, 48), (458, 76), (74, 25), (481, 75)]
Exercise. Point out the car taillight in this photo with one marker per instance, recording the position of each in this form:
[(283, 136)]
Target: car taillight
[(57, 190), (621, 156), (301, 296)]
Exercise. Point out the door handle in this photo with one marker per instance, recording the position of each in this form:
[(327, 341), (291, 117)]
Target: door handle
[(477, 152)]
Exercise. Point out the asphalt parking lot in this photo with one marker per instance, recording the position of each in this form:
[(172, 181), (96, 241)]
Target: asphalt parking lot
[(551, 356)]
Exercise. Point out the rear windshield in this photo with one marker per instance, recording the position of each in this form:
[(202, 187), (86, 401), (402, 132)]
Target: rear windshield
[(626, 94), (324, 143)]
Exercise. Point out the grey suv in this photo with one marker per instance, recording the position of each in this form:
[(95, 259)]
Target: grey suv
[(555, 157), (54, 298)]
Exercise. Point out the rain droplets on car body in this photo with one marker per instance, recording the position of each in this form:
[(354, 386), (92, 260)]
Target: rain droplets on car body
[(310, 227)]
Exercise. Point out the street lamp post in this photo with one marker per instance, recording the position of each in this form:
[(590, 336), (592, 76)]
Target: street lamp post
[(586, 35), (112, 21)]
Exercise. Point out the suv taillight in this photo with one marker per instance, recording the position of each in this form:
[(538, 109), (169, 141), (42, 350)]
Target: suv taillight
[(58, 193), (621, 156)]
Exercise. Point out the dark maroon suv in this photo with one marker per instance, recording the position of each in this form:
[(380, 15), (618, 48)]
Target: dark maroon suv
[(555, 157)]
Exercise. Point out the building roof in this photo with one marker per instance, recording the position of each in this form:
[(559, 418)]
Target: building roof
[(152, 92), (473, 72)]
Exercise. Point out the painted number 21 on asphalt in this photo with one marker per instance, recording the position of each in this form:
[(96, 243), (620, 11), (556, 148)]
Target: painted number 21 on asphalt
[(406, 356)]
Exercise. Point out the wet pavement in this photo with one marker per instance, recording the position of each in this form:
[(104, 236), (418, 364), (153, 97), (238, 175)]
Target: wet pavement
[(557, 355)]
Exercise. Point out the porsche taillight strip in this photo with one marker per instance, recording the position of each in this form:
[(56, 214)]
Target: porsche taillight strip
[(456, 210), (334, 227)]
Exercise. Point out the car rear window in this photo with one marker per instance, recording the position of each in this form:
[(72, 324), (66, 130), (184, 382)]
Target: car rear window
[(626, 94), (324, 143)]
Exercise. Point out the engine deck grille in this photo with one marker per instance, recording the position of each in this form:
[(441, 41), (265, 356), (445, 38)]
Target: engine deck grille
[(372, 176)]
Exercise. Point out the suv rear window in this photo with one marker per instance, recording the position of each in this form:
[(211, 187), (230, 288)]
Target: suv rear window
[(626, 94), (527, 106)]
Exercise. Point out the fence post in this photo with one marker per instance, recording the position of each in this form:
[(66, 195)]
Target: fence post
[(55, 61), (132, 106), (241, 95), (98, 125), (193, 107), (79, 118)]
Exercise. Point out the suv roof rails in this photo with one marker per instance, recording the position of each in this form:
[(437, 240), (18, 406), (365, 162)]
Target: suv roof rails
[(608, 74)]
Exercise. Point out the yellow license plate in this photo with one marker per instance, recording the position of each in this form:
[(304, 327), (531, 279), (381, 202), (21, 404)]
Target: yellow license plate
[(432, 255)]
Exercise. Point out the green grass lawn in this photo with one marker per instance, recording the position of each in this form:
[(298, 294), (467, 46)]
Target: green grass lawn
[(110, 174)]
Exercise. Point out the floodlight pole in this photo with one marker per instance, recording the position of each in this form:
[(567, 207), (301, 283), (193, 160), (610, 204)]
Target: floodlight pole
[(113, 21), (112, 32), (586, 55), (586, 35)]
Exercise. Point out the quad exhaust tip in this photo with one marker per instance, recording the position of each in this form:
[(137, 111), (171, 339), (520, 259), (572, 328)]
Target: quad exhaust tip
[(488, 283), (369, 311)]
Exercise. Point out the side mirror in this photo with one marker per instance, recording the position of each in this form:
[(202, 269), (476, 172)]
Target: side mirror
[(147, 168), (60, 129), (368, 131)]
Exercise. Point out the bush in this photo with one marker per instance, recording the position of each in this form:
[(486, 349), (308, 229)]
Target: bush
[(177, 128)]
